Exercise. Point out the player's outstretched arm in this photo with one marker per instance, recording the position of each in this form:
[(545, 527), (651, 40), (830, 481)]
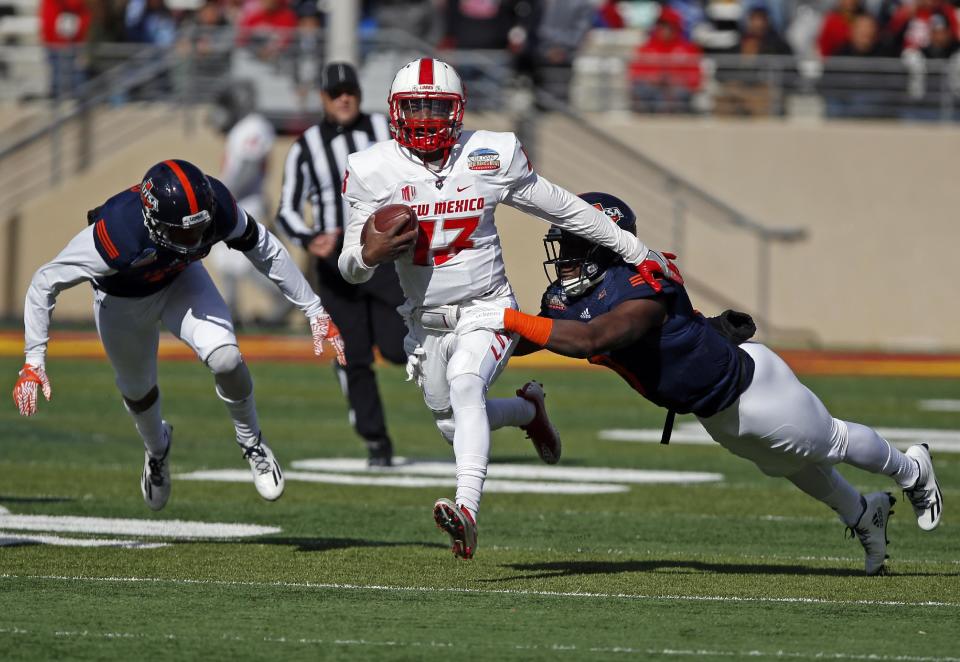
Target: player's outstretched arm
[(77, 262), (539, 197), (270, 258), (622, 326)]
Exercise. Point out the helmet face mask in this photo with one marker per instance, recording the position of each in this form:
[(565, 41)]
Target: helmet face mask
[(177, 204), (579, 264), (426, 106)]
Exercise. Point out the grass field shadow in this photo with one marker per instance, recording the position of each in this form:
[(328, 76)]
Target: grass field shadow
[(553, 569), (332, 544)]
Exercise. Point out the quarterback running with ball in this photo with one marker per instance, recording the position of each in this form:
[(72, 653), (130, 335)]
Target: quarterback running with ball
[(452, 264), (142, 251)]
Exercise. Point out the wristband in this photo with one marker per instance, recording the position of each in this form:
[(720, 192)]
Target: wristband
[(535, 329)]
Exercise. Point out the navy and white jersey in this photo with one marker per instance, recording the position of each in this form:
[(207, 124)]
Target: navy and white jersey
[(684, 365), (143, 267), (116, 254)]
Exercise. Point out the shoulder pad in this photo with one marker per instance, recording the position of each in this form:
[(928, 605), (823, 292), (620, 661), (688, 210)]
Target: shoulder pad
[(227, 212), (627, 283), (118, 231)]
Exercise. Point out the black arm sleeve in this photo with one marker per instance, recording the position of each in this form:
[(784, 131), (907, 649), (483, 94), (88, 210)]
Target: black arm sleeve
[(248, 239)]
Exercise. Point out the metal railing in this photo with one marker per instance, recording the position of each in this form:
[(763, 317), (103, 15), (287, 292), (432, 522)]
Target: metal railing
[(910, 87)]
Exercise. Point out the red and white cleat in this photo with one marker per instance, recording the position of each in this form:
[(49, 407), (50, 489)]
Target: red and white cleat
[(540, 430), (458, 523)]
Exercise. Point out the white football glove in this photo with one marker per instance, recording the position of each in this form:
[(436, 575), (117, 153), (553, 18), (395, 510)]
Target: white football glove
[(480, 317), (323, 328), (415, 367), (25, 390)]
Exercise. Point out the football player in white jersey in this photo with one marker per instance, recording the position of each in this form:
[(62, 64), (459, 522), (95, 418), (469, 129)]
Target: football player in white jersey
[(142, 253), (452, 263)]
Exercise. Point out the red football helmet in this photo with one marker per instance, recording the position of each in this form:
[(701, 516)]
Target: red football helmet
[(426, 106)]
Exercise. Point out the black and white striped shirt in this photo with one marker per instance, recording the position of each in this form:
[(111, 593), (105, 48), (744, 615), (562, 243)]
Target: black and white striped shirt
[(314, 171)]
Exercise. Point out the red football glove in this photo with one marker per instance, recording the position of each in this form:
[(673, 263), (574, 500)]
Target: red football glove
[(25, 390), (323, 328), (659, 263)]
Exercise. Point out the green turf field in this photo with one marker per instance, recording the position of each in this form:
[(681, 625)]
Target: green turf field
[(741, 567)]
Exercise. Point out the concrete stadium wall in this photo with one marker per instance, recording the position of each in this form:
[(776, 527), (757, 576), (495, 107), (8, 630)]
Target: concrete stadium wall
[(880, 203), (878, 200)]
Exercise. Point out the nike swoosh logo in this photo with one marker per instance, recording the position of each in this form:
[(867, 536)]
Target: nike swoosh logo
[(461, 189)]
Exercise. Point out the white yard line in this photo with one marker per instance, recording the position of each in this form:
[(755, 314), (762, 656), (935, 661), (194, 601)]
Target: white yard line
[(167, 528), (939, 405), (556, 647), (478, 591), (511, 471), (382, 480), (8, 538)]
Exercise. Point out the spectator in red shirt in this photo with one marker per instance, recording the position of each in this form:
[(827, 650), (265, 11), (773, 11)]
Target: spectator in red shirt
[(269, 29), (835, 31), (910, 26), (64, 25), (608, 16), (666, 70)]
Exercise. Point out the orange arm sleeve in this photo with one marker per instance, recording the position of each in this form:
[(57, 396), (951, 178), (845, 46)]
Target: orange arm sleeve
[(535, 329)]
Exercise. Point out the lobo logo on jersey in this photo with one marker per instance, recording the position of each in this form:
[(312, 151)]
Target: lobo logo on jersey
[(613, 213), (148, 199), (483, 159), (408, 193)]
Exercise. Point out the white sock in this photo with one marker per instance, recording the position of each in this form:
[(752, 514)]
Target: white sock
[(244, 415), (150, 427), (509, 412), (824, 483), (869, 451), (471, 439)]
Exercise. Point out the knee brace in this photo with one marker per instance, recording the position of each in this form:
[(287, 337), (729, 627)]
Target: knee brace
[(141, 405), (230, 372), (224, 359)]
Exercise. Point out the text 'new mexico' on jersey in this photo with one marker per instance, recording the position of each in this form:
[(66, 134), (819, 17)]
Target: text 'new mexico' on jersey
[(457, 255), (684, 365), (143, 267)]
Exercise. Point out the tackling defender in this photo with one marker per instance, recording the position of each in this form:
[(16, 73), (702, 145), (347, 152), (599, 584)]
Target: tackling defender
[(745, 396), (452, 264), (142, 251)]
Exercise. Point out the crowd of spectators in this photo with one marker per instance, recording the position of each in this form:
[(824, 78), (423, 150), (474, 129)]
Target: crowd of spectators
[(543, 37)]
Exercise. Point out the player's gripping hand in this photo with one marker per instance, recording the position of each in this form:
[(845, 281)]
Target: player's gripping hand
[(380, 247), (25, 390), (659, 263), (323, 328), (481, 317)]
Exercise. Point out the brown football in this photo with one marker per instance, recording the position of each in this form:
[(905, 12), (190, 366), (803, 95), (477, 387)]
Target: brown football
[(390, 215)]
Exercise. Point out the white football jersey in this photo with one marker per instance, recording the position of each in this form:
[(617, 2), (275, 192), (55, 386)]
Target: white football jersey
[(457, 256)]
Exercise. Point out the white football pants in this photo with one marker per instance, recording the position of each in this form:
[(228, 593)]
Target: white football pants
[(191, 308), (454, 372), (781, 426)]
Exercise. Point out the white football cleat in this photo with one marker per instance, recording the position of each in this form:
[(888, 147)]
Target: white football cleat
[(459, 524), (155, 479), (871, 529), (925, 496), (266, 470), (540, 430)]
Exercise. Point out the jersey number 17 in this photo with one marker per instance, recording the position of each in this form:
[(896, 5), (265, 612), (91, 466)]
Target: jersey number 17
[(440, 239)]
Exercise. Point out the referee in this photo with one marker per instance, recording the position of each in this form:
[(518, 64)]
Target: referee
[(366, 313)]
